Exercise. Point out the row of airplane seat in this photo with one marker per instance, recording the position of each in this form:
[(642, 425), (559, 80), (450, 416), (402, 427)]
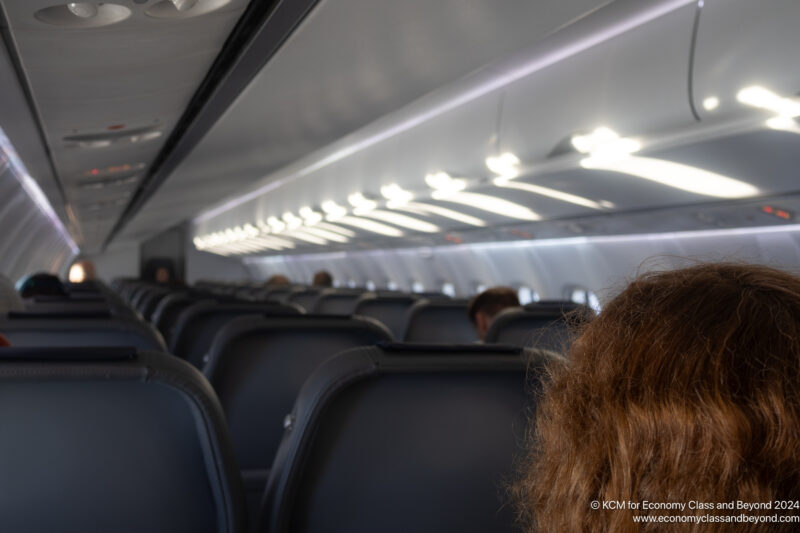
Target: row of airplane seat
[(230, 391)]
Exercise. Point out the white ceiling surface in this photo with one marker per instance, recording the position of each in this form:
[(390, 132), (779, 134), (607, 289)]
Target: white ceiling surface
[(140, 73), (635, 83), (350, 62)]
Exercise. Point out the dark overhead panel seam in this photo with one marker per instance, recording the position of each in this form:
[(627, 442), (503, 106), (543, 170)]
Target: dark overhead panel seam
[(16, 62), (692, 52), (257, 36)]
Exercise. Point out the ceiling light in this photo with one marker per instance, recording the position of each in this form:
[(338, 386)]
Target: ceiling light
[(403, 221), (545, 191), (292, 221), (444, 183), (711, 103), (605, 144), (361, 204), (276, 225), (84, 10), (333, 210), (762, 98), (506, 165), (395, 195), (677, 175), (310, 217)]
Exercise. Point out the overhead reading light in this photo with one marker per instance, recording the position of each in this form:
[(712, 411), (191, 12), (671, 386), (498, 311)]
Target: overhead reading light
[(310, 217), (545, 191), (365, 207), (276, 225), (711, 103), (333, 210), (449, 189), (83, 14), (332, 232), (84, 10), (182, 9), (506, 165), (400, 199)]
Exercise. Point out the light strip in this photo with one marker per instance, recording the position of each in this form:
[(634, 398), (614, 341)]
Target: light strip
[(300, 234), (325, 234), (488, 203), (420, 208), (538, 61), (550, 193), (335, 229), (543, 243), (403, 221), (676, 175), (369, 225), (33, 190)]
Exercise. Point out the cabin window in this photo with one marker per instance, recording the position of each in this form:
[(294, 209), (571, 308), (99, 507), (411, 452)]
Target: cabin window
[(391, 285), (370, 285), (527, 295), (449, 289), (479, 288), (581, 295), (351, 283), (417, 287)]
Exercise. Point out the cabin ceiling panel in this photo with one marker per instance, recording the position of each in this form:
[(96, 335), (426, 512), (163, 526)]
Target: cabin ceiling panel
[(350, 62), (135, 76)]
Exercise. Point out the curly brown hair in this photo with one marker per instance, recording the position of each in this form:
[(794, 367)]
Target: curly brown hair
[(685, 388)]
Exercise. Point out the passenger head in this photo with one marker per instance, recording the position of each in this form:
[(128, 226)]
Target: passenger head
[(40, 284), (162, 275), (323, 279), (686, 387), (278, 280), (485, 306)]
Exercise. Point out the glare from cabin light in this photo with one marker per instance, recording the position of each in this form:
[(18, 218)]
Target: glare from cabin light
[(302, 235), (488, 203), (676, 175), (505, 165), (545, 191), (276, 225), (333, 210), (784, 124), (711, 103), (361, 204), (763, 98), (325, 234), (76, 273), (448, 289), (402, 220), (419, 208), (370, 225), (84, 10), (335, 229), (183, 5)]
